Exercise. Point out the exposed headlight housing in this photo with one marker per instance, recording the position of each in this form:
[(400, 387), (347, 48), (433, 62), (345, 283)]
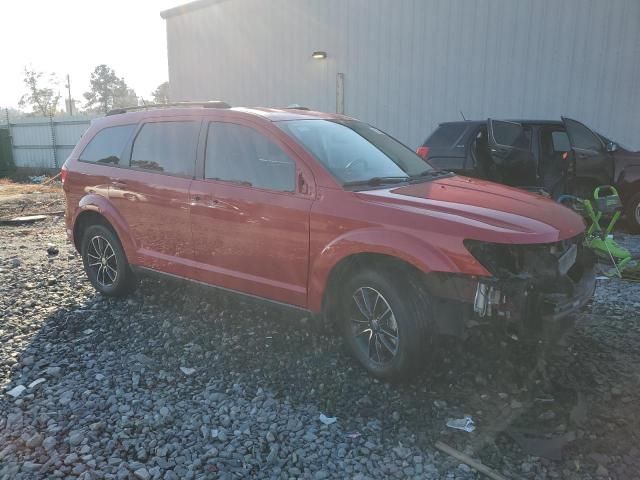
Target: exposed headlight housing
[(539, 261)]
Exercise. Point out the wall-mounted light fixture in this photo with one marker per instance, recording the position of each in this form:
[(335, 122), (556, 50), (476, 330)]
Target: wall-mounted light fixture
[(319, 55)]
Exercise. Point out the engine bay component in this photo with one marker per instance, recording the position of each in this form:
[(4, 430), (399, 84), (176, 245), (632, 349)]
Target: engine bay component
[(530, 284), (487, 297)]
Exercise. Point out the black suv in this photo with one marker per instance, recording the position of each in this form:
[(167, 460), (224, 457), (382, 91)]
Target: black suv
[(555, 156)]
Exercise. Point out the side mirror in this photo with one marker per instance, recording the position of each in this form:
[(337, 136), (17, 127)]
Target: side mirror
[(612, 147)]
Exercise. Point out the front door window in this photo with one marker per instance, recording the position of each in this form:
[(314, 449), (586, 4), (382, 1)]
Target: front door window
[(240, 154), (582, 137)]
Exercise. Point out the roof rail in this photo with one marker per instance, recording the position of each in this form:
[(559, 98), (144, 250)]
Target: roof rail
[(209, 104), (295, 106)]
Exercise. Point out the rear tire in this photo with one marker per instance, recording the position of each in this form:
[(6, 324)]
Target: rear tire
[(105, 262), (384, 321), (632, 212)]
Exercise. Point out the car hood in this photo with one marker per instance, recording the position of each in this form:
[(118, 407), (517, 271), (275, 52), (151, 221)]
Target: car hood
[(484, 210)]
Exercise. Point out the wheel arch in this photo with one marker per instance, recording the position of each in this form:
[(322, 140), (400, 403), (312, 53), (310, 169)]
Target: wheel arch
[(85, 219), (95, 209), (373, 243), (632, 211), (351, 264)]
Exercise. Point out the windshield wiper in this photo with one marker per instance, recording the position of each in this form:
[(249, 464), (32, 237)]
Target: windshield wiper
[(376, 181), (430, 173)]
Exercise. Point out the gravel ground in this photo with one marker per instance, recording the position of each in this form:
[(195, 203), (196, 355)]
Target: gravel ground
[(178, 381)]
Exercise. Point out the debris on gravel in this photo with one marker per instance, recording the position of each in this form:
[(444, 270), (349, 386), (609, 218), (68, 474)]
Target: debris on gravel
[(106, 395)]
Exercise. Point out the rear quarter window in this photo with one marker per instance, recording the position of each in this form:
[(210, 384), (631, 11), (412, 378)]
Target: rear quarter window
[(446, 135), (107, 145)]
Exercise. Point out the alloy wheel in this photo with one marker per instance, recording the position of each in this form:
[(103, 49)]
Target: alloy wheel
[(101, 258), (374, 325)]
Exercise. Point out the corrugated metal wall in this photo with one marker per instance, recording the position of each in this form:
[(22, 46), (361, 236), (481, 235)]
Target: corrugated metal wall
[(410, 64), (39, 142)]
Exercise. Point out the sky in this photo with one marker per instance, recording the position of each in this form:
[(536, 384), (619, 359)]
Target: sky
[(74, 36)]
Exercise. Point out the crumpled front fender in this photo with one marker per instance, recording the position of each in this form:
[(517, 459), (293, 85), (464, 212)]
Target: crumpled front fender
[(403, 246)]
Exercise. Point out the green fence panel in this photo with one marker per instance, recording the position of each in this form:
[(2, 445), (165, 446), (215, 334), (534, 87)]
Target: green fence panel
[(6, 154)]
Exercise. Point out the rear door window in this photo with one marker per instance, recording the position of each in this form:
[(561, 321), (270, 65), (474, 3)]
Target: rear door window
[(166, 147), (107, 145), (240, 154), (446, 135)]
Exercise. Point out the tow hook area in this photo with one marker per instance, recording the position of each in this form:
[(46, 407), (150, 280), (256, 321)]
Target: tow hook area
[(489, 300)]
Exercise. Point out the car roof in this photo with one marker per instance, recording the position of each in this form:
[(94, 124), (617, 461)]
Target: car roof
[(277, 114), (483, 122), (122, 116)]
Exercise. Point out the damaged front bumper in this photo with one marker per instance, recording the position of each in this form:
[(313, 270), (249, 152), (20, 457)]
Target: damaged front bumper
[(532, 304), (530, 287)]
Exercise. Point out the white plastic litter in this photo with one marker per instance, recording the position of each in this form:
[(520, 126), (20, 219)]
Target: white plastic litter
[(327, 420), (36, 382), (465, 423), (187, 370), (15, 392)]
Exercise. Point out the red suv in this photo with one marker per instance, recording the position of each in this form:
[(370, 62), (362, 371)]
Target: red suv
[(324, 213)]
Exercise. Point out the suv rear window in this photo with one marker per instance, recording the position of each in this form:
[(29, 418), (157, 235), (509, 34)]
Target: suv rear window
[(445, 135), (107, 145), (166, 147)]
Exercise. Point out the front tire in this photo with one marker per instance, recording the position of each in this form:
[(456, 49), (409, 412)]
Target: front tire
[(384, 322), (105, 262), (632, 211)]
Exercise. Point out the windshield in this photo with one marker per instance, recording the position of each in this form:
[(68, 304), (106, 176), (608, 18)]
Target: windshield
[(354, 151)]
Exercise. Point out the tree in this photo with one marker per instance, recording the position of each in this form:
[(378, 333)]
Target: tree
[(108, 91), (13, 113), (161, 94), (41, 93)]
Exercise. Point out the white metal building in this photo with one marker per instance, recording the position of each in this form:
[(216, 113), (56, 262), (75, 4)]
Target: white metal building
[(406, 65)]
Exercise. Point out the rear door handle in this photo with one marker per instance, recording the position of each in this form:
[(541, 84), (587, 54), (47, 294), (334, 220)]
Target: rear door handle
[(201, 201), (198, 198)]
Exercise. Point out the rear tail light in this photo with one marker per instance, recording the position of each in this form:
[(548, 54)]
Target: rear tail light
[(422, 152), (63, 174)]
